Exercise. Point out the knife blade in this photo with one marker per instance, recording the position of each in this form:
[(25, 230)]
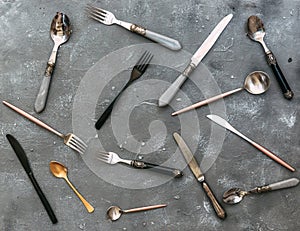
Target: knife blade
[(168, 95), (25, 163), (195, 168)]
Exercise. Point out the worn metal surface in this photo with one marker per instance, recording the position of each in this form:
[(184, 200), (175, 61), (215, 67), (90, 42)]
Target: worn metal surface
[(269, 119)]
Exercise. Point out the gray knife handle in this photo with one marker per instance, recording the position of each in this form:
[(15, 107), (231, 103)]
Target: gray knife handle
[(41, 99), (216, 205), (163, 40), (284, 184)]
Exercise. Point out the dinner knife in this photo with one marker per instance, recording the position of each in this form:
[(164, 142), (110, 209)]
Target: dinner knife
[(168, 95), (25, 163), (194, 166)]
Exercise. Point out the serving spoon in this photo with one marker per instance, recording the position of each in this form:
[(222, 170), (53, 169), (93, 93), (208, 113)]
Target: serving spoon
[(256, 32), (60, 171), (60, 32), (115, 212), (236, 195), (255, 83)]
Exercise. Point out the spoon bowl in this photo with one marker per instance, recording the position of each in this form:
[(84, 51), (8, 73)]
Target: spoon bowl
[(60, 29), (234, 196)]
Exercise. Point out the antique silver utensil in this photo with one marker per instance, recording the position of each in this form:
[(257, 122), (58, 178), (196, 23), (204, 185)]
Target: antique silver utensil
[(113, 158), (115, 212), (255, 83), (70, 139), (256, 32), (60, 171), (168, 95), (195, 168), (137, 71), (222, 122), (236, 195), (108, 18), (60, 33)]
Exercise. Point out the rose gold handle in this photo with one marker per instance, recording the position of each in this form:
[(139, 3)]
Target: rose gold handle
[(144, 208)]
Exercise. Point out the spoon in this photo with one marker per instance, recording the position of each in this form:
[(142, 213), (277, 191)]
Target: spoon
[(60, 32), (256, 32), (60, 171), (255, 83), (236, 195), (115, 212)]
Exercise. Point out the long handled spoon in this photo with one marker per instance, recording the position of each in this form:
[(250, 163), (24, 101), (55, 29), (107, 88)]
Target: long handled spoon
[(60, 171), (256, 32), (236, 195), (115, 212), (255, 83), (222, 122), (60, 32)]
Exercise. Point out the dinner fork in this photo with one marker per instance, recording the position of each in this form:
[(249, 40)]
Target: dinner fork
[(137, 71), (108, 18), (114, 158), (69, 139)]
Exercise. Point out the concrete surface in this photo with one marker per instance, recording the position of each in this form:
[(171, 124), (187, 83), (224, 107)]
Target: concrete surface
[(110, 52)]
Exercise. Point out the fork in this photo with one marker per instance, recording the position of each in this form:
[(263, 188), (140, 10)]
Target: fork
[(108, 18), (137, 71), (113, 158), (69, 139)]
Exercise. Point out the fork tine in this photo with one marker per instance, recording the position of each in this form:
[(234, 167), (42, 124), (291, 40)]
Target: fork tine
[(96, 13), (75, 145), (144, 61)]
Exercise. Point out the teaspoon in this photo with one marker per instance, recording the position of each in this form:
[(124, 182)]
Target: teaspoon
[(236, 195), (60, 171), (115, 212), (255, 83), (60, 32), (256, 32)]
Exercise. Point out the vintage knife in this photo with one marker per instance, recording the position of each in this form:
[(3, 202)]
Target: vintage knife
[(194, 166), (168, 95), (25, 163)]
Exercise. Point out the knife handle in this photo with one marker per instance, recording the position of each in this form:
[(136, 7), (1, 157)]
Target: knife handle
[(157, 168), (285, 88), (217, 207), (43, 198)]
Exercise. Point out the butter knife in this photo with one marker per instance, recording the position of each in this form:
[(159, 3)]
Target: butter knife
[(168, 95), (194, 166), (25, 163)]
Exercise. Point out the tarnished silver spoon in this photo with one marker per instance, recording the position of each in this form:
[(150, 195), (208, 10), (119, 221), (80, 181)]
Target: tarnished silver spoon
[(60, 32), (236, 195), (256, 32)]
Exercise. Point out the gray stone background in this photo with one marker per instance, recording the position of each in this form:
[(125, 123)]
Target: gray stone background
[(269, 119)]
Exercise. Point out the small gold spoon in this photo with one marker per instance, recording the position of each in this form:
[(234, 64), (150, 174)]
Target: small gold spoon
[(60, 171)]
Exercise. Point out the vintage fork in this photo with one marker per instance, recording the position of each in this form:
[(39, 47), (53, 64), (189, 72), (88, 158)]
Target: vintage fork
[(69, 139), (108, 18), (137, 71), (113, 158)]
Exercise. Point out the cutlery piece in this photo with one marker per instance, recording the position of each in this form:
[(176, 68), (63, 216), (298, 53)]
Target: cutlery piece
[(60, 171), (25, 163), (194, 166), (108, 18), (222, 122), (236, 195), (256, 32), (137, 71), (69, 139), (115, 212), (113, 158), (255, 83), (60, 33), (168, 95)]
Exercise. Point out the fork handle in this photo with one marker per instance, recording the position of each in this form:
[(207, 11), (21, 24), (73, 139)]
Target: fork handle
[(154, 167), (156, 37)]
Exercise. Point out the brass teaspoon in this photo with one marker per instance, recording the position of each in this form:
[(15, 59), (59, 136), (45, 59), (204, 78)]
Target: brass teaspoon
[(60, 32), (256, 32), (236, 195), (60, 171)]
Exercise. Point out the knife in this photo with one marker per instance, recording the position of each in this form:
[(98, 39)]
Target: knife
[(25, 163), (194, 166), (168, 95), (222, 122)]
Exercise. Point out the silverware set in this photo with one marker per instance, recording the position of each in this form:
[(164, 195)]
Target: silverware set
[(256, 82)]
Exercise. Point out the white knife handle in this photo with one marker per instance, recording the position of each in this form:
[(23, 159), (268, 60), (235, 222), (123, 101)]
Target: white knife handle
[(169, 94), (284, 184), (163, 40)]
